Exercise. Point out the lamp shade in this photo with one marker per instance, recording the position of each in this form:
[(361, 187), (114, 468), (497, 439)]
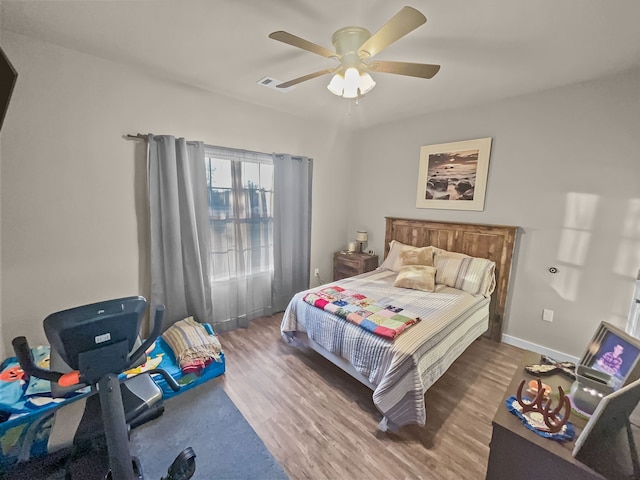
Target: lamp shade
[(361, 236), (336, 86), (366, 83), (351, 84)]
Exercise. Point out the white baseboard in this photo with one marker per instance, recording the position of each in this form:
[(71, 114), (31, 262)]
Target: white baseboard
[(556, 355)]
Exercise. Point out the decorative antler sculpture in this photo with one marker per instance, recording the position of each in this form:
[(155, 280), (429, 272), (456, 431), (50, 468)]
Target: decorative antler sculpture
[(552, 419)]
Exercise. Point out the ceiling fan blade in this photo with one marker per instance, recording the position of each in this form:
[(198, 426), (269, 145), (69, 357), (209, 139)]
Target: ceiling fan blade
[(403, 22), (422, 70), (304, 78), (290, 39)]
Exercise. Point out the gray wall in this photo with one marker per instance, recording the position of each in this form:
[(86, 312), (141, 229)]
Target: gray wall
[(564, 168)]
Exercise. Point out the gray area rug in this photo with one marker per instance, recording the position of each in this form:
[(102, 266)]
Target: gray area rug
[(205, 419)]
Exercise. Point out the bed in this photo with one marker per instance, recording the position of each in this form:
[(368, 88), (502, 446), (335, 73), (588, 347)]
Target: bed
[(448, 320)]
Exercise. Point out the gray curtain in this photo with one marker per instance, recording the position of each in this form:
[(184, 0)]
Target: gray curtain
[(180, 255), (291, 227)]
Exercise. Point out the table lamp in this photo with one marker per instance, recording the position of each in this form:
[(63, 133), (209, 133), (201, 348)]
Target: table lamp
[(361, 237)]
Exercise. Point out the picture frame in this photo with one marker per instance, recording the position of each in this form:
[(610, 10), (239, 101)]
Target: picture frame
[(453, 176), (614, 352), (606, 443)]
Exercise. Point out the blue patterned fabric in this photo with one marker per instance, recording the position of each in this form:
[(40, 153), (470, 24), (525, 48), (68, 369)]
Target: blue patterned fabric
[(566, 433)]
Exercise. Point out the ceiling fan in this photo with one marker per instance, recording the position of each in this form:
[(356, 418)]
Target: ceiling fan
[(354, 49)]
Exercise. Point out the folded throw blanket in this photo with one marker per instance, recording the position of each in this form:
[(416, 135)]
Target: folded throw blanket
[(385, 320), (193, 346)]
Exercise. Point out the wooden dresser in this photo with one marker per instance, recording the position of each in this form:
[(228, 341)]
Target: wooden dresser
[(518, 453), (350, 264)]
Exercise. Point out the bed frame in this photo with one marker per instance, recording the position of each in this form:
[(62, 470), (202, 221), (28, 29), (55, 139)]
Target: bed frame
[(495, 242)]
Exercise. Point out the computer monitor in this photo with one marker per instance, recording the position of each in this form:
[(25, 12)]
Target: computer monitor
[(614, 352), (8, 78)]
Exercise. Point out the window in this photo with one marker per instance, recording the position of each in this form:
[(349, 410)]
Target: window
[(240, 189)]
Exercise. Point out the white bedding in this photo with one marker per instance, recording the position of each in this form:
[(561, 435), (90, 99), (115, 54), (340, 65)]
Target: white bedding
[(401, 370)]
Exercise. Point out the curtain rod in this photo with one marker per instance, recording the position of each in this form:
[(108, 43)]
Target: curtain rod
[(145, 137), (137, 136), (140, 136)]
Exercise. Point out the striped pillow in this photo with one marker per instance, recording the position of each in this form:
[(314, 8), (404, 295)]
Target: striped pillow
[(471, 274)]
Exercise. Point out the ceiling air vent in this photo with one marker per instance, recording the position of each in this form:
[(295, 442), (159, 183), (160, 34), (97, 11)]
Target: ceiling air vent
[(271, 83)]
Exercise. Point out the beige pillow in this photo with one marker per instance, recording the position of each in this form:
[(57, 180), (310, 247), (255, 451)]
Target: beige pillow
[(417, 277), (394, 262), (417, 256)]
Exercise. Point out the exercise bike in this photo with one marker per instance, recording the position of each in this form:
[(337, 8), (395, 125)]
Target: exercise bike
[(98, 342)]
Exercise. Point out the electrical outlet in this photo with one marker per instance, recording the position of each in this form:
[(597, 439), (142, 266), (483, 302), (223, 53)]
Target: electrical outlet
[(547, 315), (316, 272)]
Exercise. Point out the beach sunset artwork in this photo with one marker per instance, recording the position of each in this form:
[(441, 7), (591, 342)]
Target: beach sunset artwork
[(454, 175)]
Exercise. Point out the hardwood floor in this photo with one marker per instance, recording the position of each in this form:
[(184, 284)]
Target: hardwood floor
[(320, 423)]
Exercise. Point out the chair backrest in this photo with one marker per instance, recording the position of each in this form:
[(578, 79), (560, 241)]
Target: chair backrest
[(97, 339)]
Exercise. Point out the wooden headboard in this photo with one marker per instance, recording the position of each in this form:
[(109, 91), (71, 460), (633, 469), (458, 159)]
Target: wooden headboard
[(495, 242)]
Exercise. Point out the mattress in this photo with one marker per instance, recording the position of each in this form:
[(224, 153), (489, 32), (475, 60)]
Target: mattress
[(400, 370)]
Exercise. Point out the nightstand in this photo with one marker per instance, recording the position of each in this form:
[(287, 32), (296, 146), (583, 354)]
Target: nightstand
[(350, 264)]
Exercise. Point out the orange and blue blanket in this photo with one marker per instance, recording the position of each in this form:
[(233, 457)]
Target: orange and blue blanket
[(381, 318)]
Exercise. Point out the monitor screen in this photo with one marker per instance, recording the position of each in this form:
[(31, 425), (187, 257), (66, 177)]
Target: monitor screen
[(615, 353), (8, 78)]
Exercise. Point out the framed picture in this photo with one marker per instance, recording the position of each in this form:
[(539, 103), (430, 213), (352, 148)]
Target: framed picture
[(606, 442), (614, 352), (454, 175)]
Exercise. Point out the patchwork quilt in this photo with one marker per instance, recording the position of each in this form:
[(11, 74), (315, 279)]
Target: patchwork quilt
[(379, 317)]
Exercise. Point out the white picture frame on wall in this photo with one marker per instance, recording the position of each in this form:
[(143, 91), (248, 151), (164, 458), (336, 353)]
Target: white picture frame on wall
[(453, 176)]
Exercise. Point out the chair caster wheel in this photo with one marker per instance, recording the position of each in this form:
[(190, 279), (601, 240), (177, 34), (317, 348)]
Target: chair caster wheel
[(183, 467)]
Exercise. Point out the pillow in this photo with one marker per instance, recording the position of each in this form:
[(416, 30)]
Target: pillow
[(393, 257), (471, 274), (192, 345), (417, 256), (394, 261), (417, 277), (442, 251)]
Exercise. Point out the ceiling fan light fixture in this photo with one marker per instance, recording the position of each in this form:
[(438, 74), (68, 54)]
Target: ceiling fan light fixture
[(366, 83), (336, 85), (351, 83)]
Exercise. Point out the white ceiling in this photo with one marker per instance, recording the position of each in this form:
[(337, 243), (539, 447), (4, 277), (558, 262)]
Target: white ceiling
[(488, 49)]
